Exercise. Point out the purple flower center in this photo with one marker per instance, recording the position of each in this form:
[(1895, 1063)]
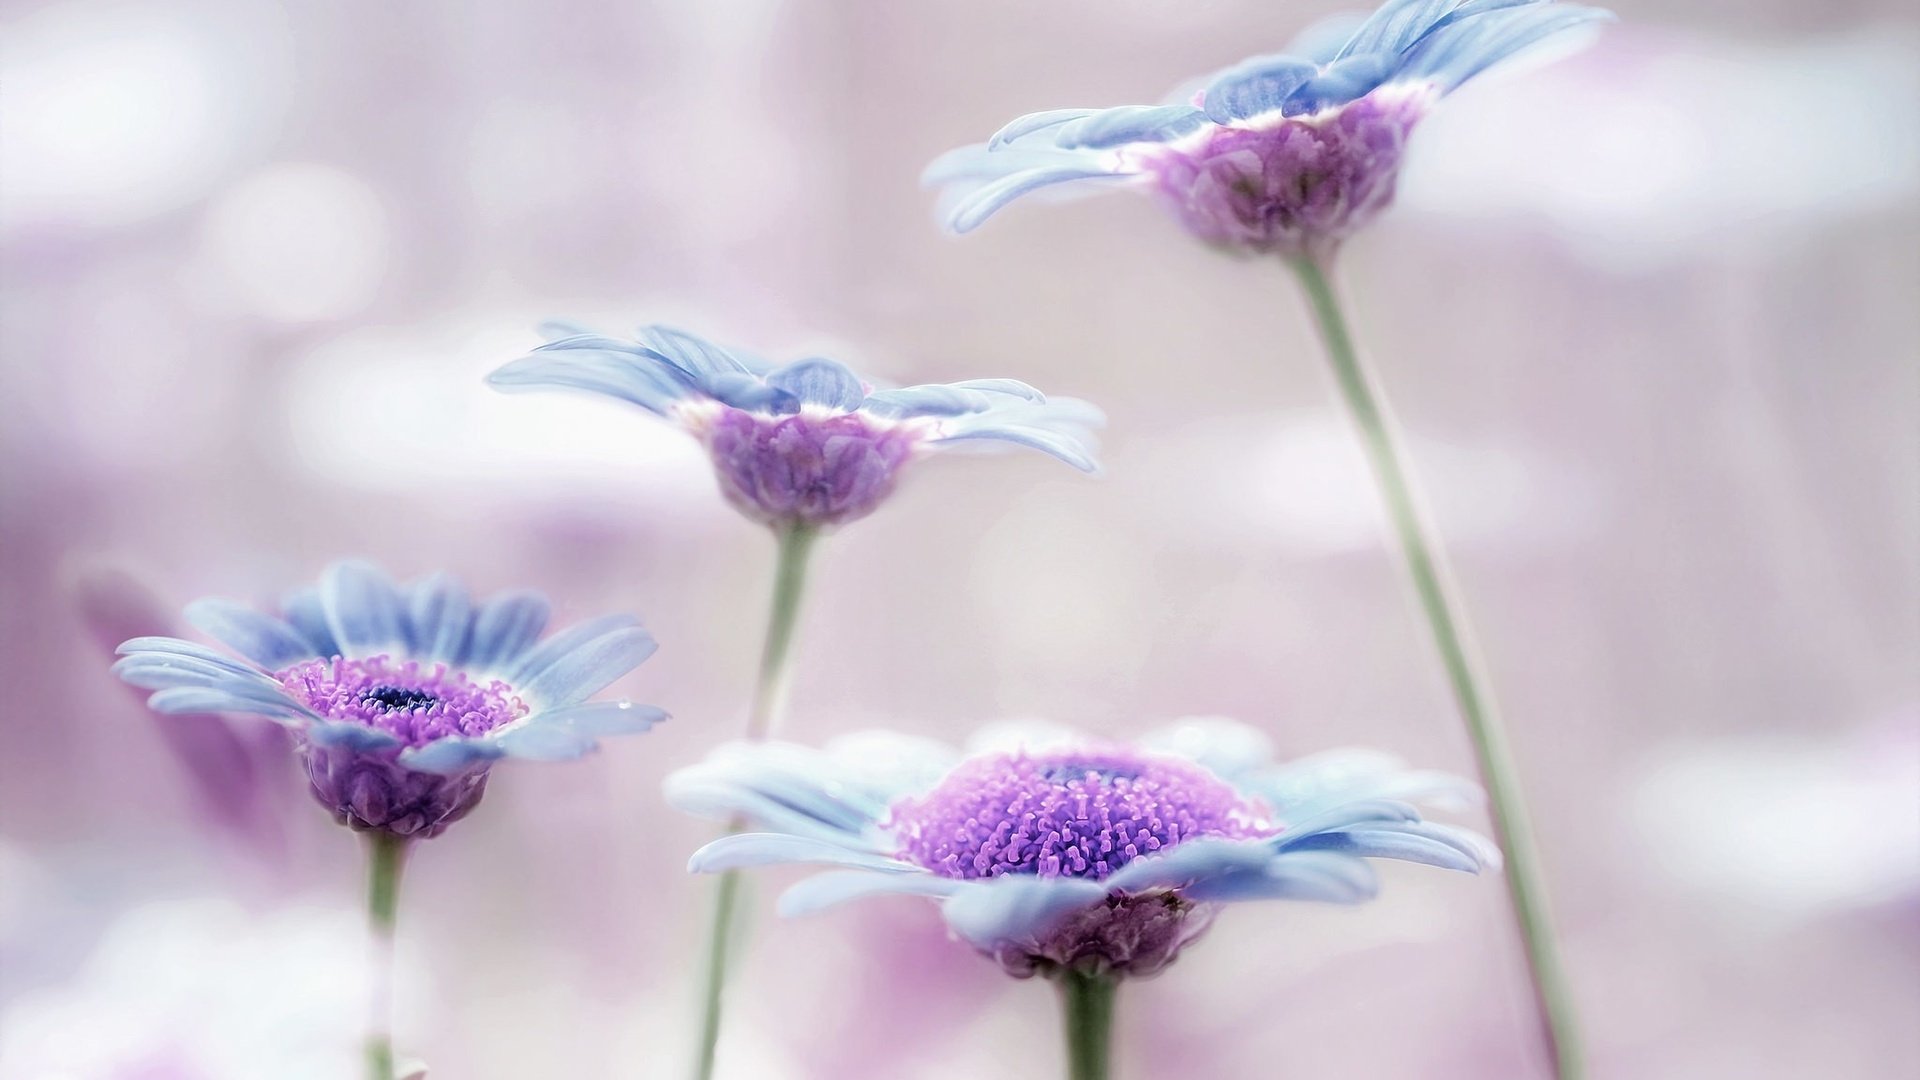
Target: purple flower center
[(1293, 187), (415, 704), (809, 468), (1079, 813)]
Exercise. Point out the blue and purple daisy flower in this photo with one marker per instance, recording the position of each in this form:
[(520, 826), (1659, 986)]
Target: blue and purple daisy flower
[(1286, 154), (401, 699), (809, 443), (1052, 852)]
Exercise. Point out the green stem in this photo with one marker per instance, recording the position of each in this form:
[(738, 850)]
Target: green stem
[(789, 584), (1450, 635), (386, 856), (1086, 1012), (763, 717)]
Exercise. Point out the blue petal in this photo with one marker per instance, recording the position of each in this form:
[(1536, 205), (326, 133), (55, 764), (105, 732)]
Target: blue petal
[(835, 887), (1389, 844), (1463, 48), (1017, 907), (505, 628), (344, 735), (1255, 86), (1071, 448), (263, 639), (1022, 126), (746, 391), (691, 353), (1396, 25), (587, 669), (652, 384), (1344, 80), (1322, 41), (780, 787), (589, 341), (969, 212), (1186, 863), (561, 329), (1312, 786), (820, 381), (450, 757), (439, 615), (769, 849), (932, 400), (562, 643), (565, 734), (168, 646), (200, 699), (304, 612), (707, 795), (1011, 387), (363, 608), (162, 671), (1326, 877), (1130, 124), (972, 165), (1347, 814), (601, 718)]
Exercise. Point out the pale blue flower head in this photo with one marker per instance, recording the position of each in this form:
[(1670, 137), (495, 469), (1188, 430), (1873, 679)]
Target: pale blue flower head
[(808, 443), (1284, 154), (1051, 851), (401, 699)]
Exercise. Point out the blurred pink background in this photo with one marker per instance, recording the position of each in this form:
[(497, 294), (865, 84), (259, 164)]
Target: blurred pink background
[(1648, 312)]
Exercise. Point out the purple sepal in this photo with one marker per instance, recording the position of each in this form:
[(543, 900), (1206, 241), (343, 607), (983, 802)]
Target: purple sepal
[(1295, 187), (806, 469), (371, 790), (1125, 937)]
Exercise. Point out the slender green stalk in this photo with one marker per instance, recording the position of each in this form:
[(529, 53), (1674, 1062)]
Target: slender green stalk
[(763, 716), (1086, 1013), (789, 585), (1450, 634), (386, 857)]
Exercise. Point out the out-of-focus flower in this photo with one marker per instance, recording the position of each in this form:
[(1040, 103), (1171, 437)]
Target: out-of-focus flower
[(197, 988), (809, 443), (1283, 154), (400, 700), (1062, 853), (227, 763)]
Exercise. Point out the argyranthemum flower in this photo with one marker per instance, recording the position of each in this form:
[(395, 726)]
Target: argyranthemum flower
[(1063, 854), (401, 700), (1283, 154), (808, 444)]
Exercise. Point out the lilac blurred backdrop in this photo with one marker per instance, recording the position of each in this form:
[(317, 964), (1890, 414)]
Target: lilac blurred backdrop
[(1649, 313)]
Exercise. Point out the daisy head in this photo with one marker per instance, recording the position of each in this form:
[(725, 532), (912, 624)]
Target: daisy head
[(1288, 153), (400, 700), (1052, 852), (807, 444)]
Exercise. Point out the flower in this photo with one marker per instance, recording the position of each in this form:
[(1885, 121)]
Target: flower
[(229, 765), (1056, 852), (1283, 154), (400, 700), (807, 444)]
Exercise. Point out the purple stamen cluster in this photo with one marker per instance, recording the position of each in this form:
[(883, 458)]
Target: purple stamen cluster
[(416, 704), (1294, 187), (806, 468), (1079, 813)]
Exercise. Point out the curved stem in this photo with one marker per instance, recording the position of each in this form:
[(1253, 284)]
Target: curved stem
[(763, 717), (1450, 635), (1086, 1013), (386, 857)]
